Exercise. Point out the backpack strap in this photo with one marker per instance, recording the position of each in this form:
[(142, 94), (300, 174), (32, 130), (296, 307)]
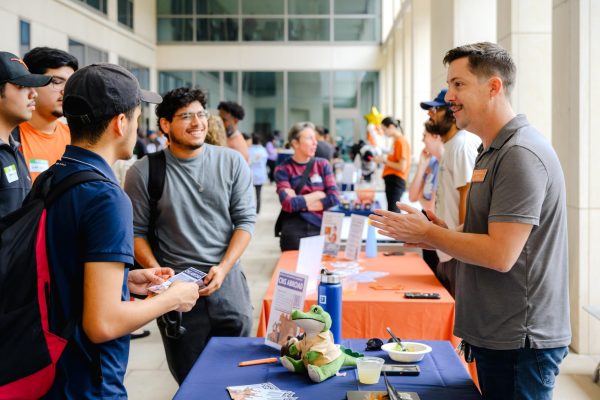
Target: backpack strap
[(156, 186), (305, 175)]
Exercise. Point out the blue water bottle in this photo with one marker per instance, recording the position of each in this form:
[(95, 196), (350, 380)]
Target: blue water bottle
[(330, 299)]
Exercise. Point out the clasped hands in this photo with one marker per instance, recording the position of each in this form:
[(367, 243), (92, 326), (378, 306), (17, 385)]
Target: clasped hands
[(411, 227)]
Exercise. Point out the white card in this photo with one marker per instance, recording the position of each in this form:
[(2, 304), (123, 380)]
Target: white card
[(38, 165), (189, 275), (357, 225), (309, 260), (331, 228)]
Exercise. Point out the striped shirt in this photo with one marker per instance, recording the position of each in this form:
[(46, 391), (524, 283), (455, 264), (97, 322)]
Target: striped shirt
[(289, 173)]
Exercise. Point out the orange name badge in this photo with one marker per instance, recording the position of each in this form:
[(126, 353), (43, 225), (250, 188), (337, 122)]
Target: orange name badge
[(478, 175)]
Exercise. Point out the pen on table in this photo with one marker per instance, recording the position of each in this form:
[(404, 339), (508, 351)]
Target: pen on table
[(271, 360)]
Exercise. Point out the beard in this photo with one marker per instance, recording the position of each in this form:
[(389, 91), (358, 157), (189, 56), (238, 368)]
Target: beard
[(229, 130), (441, 127), (187, 146), (57, 113)]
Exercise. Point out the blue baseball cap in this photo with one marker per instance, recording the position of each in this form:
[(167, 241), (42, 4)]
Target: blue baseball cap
[(437, 102)]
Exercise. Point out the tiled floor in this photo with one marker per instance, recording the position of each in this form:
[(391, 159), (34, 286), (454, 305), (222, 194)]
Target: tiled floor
[(148, 376)]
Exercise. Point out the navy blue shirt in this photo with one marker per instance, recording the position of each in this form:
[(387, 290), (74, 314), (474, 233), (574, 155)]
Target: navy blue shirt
[(92, 222)]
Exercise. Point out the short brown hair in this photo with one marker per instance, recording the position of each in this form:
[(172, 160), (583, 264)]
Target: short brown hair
[(485, 60), (298, 127)]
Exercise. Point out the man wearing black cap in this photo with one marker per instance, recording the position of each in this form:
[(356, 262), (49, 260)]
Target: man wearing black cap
[(17, 102), (90, 239), (456, 168)]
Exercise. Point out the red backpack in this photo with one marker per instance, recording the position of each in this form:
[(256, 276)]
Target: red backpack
[(29, 351)]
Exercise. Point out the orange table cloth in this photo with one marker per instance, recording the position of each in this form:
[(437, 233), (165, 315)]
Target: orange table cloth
[(366, 312)]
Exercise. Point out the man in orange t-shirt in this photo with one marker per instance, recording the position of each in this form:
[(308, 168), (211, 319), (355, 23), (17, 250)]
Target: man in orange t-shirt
[(396, 165), (44, 138)]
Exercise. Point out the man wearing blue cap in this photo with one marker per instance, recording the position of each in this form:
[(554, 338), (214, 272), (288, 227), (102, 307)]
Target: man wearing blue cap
[(17, 102), (456, 167), (90, 239)]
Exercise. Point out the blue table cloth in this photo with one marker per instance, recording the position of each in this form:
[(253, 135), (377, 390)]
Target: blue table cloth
[(442, 375)]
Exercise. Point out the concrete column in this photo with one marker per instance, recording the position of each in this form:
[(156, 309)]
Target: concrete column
[(112, 10), (454, 23), (576, 123), (399, 78), (421, 71), (525, 30)]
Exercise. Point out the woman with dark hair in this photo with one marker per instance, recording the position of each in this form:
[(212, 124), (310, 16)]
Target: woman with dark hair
[(397, 163), (306, 187)]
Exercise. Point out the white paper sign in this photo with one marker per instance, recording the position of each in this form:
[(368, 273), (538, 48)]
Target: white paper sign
[(309, 260), (289, 294), (331, 228), (357, 225)]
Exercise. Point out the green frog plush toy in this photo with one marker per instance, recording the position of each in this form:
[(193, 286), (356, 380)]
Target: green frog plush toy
[(316, 353)]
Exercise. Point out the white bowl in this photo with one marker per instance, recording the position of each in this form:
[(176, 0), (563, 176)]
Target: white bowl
[(415, 351)]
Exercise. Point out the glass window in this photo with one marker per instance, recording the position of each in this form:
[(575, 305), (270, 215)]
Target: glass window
[(125, 10), (230, 86), (308, 97), (174, 7), (262, 99), (99, 5), (25, 37), (169, 80), (217, 29), (217, 7), (308, 29), (262, 29), (85, 54), (345, 89), (139, 71), (313, 7), (175, 29), (209, 82), (369, 94), (262, 7), (355, 29), (356, 7)]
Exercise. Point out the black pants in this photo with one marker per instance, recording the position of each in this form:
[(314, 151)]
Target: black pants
[(394, 189), (227, 312), (431, 258), (294, 228), (271, 164), (257, 190), (446, 274)]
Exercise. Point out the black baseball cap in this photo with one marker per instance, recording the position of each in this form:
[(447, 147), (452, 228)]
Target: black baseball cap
[(14, 70), (439, 101), (100, 91)]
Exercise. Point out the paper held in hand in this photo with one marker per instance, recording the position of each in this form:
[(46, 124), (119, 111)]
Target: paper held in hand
[(357, 226), (289, 294), (189, 275)]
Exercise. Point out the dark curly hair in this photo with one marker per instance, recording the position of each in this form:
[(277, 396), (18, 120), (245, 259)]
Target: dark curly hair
[(40, 59), (177, 98), (232, 108)]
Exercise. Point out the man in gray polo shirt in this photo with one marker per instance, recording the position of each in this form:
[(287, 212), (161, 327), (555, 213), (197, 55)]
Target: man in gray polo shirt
[(512, 280)]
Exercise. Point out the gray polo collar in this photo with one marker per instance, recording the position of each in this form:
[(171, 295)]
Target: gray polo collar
[(509, 130)]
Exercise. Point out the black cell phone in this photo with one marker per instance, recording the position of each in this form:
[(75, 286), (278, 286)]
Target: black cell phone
[(398, 369), (421, 295)]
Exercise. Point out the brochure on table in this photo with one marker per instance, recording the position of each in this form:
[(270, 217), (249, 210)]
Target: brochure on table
[(357, 225), (289, 294), (260, 391), (331, 228), (309, 260)]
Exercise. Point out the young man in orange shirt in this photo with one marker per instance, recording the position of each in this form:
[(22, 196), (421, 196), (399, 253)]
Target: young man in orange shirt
[(44, 138)]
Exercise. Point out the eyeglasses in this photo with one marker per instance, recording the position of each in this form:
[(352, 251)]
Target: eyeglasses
[(57, 83), (188, 116)]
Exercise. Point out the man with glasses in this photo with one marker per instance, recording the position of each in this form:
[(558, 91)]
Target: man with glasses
[(17, 102), (456, 168), (44, 138), (205, 219)]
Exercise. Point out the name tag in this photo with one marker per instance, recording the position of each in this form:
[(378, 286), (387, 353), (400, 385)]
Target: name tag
[(11, 173), (38, 165), (316, 179), (478, 175)]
